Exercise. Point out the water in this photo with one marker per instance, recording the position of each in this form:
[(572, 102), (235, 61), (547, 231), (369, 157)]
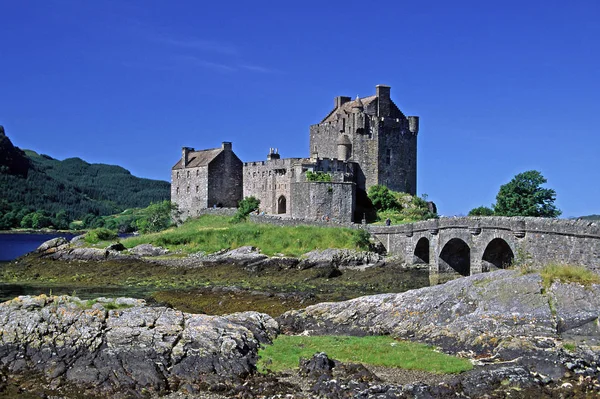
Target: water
[(9, 291), (14, 245)]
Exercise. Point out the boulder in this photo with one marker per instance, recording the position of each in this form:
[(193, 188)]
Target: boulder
[(133, 348), (148, 250), (53, 243), (339, 258)]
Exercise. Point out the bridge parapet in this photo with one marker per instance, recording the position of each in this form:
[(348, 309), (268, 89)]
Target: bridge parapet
[(526, 224), (475, 244)]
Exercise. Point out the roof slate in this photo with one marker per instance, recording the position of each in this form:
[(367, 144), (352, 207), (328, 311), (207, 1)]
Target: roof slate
[(199, 158)]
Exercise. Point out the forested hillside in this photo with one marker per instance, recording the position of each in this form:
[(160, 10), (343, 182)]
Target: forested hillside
[(54, 192)]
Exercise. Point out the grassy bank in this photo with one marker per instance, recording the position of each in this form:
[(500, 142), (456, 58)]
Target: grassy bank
[(286, 352), (212, 233)]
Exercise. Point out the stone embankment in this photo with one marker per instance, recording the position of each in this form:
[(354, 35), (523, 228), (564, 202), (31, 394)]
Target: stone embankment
[(72, 344)]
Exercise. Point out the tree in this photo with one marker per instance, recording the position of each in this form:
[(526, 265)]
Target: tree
[(156, 217), (481, 211), (524, 196)]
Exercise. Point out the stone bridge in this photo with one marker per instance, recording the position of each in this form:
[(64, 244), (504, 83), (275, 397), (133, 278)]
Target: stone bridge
[(469, 245)]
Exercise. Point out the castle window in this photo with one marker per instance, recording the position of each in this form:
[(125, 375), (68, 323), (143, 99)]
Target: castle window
[(188, 189), (178, 175), (188, 174), (177, 188), (197, 172), (388, 156), (197, 188)]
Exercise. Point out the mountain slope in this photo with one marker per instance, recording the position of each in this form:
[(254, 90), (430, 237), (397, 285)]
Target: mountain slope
[(39, 182)]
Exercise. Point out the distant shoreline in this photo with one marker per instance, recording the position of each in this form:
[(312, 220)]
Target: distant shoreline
[(41, 231)]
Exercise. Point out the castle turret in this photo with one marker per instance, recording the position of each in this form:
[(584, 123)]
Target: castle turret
[(344, 147), (358, 105), (413, 124)]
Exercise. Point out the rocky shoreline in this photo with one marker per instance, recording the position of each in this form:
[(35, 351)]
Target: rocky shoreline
[(525, 339), (522, 339)]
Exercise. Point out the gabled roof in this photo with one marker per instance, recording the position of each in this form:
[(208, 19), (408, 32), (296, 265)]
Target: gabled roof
[(347, 107), (199, 158)]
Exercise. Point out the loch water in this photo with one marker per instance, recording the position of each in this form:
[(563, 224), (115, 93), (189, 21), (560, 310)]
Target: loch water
[(14, 245)]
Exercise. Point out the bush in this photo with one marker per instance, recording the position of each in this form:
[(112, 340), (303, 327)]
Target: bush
[(318, 176), (383, 198), (245, 208), (101, 234)]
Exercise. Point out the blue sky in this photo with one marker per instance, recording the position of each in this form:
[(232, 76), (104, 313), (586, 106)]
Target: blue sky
[(501, 86)]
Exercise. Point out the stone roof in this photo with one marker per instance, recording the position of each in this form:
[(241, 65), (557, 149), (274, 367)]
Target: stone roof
[(199, 158), (347, 107)]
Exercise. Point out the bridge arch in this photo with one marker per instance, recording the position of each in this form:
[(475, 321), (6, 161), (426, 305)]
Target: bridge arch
[(455, 255), (497, 255), (421, 252)]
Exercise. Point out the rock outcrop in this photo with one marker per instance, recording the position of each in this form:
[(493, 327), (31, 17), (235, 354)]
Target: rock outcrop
[(122, 347), (498, 315)]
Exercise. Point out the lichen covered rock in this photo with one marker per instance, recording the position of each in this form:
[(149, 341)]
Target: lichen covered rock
[(119, 346)]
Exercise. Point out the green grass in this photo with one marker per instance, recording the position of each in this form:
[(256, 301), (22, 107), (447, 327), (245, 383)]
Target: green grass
[(110, 305), (568, 274), (212, 233), (286, 352)]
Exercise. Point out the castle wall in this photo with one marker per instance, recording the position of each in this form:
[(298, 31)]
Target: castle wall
[(269, 181), (315, 200), (189, 190), (397, 156), (225, 180)]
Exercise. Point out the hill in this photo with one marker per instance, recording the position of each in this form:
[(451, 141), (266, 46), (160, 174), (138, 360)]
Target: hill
[(31, 183), (589, 217)]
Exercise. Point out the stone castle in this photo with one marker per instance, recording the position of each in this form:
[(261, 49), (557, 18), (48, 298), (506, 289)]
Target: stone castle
[(360, 143)]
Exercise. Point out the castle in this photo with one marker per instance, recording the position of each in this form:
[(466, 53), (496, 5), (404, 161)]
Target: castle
[(360, 143)]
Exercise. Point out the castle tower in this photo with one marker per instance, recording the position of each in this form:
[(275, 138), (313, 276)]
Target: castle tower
[(373, 132)]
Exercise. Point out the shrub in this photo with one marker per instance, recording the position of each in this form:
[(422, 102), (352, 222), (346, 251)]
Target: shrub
[(318, 176), (101, 234), (245, 207)]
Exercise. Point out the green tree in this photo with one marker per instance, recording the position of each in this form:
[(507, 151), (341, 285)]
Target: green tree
[(157, 217), (525, 196), (61, 220), (481, 211), (383, 198)]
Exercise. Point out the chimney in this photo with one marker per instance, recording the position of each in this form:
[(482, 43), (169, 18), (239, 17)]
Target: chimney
[(273, 154), (341, 100), (226, 146), (185, 151), (383, 100)]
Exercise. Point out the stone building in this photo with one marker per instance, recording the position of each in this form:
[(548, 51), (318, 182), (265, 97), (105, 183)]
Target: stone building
[(358, 144), (374, 133), (207, 178)]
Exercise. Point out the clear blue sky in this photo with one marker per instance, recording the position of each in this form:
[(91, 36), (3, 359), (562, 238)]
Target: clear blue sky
[(501, 86)]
